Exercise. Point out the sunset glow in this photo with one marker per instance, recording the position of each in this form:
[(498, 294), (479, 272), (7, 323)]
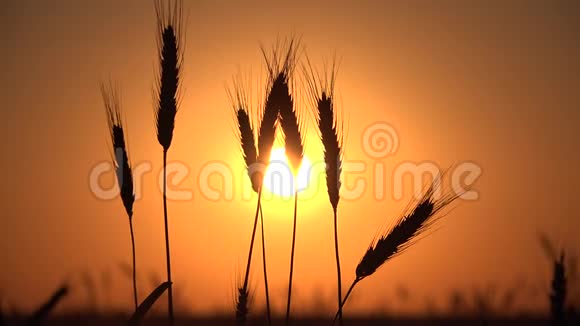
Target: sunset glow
[(279, 179)]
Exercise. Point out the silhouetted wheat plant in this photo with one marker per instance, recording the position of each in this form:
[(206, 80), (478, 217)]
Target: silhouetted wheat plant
[(280, 63), (256, 170), (122, 164), (240, 100), (558, 293), (559, 284), (242, 305), (169, 27), (404, 233), (322, 94)]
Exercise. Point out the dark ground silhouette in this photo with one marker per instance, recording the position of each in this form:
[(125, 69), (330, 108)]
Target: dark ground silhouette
[(162, 320)]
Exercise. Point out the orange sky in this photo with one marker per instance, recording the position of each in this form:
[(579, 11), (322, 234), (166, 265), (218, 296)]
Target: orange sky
[(494, 84)]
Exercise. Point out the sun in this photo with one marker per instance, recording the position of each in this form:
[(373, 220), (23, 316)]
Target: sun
[(279, 179)]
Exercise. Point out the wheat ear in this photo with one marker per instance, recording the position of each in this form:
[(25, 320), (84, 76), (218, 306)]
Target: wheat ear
[(242, 302)]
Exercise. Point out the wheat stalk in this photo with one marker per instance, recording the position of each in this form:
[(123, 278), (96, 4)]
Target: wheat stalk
[(264, 267), (280, 70), (266, 137), (169, 28), (403, 234), (322, 94), (122, 164), (239, 98)]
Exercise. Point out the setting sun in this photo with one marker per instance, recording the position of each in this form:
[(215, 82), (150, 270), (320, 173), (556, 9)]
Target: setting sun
[(279, 179)]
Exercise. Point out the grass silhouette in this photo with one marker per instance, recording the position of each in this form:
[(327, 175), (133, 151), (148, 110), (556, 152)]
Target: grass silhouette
[(559, 283), (558, 292)]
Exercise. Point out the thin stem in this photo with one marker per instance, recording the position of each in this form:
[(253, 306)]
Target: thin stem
[(246, 278), (135, 299), (167, 256), (339, 278), (346, 298), (292, 259), (265, 269)]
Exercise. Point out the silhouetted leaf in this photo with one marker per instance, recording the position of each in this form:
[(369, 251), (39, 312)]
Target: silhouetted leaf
[(40, 315), (148, 303)]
